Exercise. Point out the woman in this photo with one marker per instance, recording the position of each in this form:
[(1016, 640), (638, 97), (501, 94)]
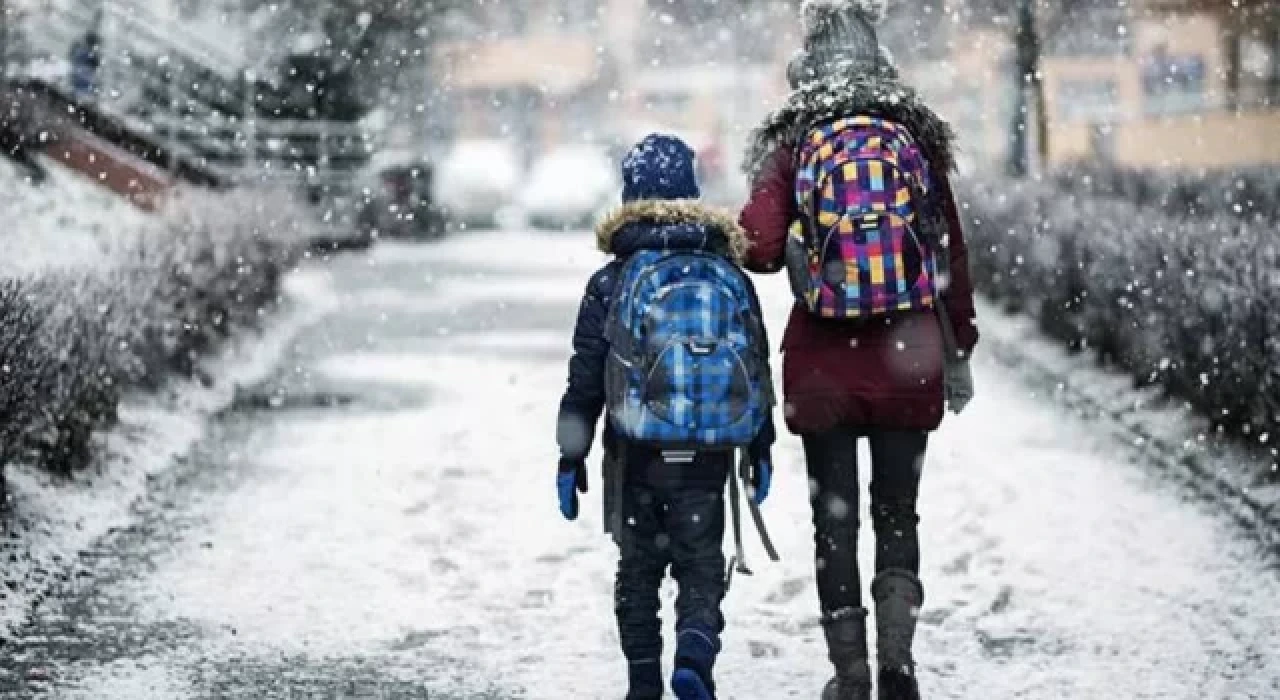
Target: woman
[(885, 378)]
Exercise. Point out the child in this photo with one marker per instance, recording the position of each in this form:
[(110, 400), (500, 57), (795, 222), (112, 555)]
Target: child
[(670, 336)]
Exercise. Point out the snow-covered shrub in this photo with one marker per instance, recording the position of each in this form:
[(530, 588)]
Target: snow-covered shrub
[(73, 338), (1185, 302), (1251, 194)]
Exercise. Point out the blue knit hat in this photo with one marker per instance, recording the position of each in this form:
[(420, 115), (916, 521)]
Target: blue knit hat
[(659, 167)]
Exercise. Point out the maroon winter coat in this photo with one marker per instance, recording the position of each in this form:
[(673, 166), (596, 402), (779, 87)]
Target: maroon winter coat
[(885, 373)]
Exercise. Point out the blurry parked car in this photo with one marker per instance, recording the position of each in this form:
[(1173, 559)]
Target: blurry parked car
[(399, 203), (569, 186), (477, 180)]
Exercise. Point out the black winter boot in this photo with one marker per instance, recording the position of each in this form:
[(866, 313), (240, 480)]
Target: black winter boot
[(897, 685), (898, 595), (644, 680), (846, 632)]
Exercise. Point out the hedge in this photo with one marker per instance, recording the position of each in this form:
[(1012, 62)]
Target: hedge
[(1188, 303), (73, 340), (1251, 194)]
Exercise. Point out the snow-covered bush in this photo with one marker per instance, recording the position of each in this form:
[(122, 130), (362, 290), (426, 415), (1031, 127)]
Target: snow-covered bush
[(1189, 303), (1248, 194), (73, 338)]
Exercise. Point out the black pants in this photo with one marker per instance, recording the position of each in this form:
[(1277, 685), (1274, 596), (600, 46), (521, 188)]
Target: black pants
[(681, 526), (897, 458)]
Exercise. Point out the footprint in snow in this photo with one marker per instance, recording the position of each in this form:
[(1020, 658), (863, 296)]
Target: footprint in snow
[(562, 557), (763, 650), (417, 509), (537, 599), (788, 591), (959, 565), (443, 565)]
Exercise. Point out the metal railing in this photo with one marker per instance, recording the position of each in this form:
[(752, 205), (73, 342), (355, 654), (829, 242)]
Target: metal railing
[(198, 102)]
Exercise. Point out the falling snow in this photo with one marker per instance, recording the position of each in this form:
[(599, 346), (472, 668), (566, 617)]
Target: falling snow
[(288, 290)]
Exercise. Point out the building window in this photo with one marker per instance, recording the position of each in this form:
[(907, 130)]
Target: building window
[(1092, 100), (1260, 70), (1173, 84)]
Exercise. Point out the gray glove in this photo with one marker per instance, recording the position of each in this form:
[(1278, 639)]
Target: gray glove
[(957, 384)]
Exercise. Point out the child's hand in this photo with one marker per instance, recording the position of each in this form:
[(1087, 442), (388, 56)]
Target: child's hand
[(761, 478), (570, 480)]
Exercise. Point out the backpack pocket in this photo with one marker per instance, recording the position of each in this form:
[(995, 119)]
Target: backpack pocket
[(698, 384), (891, 262)]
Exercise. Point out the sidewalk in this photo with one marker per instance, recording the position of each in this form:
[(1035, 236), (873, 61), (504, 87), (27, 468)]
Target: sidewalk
[(387, 523)]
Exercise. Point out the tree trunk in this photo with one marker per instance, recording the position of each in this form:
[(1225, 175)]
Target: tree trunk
[(1018, 165), (1273, 79), (1231, 38), (1029, 95), (5, 48)]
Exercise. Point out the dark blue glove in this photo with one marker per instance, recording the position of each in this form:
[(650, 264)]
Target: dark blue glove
[(761, 478), (570, 480)]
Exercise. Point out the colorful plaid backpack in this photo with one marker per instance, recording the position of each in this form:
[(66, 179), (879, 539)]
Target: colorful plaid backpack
[(864, 244), (688, 363)]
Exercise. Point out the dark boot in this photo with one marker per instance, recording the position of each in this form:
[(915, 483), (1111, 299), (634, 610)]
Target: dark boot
[(897, 685), (898, 595), (696, 650), (644, 680), (846, 632)]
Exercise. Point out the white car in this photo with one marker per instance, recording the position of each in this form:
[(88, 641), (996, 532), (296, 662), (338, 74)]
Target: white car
[(569, 186), (476, 182)]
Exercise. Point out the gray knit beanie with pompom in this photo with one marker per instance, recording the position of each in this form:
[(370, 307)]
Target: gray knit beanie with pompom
[(839, 36)]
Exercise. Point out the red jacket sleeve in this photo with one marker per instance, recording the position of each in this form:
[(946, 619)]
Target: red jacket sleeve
[(959, 295), (770, 211)]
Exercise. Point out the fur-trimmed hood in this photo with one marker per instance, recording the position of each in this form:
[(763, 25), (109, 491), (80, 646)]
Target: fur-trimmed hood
[(860, 90), (680, 224)]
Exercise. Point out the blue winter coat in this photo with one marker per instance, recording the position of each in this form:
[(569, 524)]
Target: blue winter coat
[(641, 225)]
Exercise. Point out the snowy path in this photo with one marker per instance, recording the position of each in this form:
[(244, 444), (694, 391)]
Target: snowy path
[(379, 520)]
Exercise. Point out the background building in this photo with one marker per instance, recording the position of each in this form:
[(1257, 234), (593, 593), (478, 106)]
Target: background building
[(1152, 83), (547, 72), (1155, 84)]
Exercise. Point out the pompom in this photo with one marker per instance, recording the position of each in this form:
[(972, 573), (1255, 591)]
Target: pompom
[(819, 12)]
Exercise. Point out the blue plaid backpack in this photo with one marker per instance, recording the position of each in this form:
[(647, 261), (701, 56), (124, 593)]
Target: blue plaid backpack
[(688, 361)]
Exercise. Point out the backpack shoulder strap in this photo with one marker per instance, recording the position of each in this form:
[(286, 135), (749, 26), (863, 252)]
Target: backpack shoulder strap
[(933, 226), (805, 151), (738, 563), (626, 274)]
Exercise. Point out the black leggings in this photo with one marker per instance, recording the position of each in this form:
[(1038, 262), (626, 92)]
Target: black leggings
[(897, 458)]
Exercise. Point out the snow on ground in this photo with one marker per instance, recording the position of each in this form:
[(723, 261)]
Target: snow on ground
[(411, 539), (68, 222), (67, 516), (1165, 431), (65, 222)]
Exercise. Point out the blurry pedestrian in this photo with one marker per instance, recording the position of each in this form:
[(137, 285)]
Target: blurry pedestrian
[(86, 59), (879, 339), (670, 338)]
